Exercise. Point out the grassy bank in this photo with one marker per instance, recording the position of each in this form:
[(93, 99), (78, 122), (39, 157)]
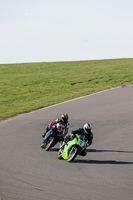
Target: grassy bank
[(30, 86), (4, 199)]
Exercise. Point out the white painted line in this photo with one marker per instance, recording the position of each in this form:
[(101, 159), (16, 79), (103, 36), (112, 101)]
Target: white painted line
[(62, 103), (78, 98)]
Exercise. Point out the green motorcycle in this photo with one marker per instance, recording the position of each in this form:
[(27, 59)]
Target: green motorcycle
[(73, 148)]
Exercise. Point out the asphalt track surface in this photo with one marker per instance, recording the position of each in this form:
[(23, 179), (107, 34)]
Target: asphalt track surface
[(28, 172)]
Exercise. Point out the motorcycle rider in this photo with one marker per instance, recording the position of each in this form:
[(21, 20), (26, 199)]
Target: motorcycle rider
[(61, 124), (86, 130)]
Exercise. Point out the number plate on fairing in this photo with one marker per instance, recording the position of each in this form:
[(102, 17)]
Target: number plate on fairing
[(81, 143)]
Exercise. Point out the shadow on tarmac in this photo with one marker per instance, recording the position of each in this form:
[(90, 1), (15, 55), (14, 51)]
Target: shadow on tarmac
[(95, 150), (114, 162)]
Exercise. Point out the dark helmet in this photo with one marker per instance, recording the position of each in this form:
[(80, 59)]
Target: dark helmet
[(87, 128), (64, 117)]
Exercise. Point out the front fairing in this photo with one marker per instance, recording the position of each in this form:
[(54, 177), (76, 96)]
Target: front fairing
[(67, 148), (54, 133), (78, 141), (48, 134)]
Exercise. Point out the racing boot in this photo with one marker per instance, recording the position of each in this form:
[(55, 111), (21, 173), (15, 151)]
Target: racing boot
[(83, 153), (43, 135)]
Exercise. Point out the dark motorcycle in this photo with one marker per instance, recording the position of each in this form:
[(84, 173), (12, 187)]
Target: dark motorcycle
[(51, 138)]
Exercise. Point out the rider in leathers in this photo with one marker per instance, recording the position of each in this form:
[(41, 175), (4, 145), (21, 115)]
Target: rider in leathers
[(86, 130), (61, 124)]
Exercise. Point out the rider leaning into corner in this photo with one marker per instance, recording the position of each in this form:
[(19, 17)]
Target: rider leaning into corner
[(86, 131), (61, 124)]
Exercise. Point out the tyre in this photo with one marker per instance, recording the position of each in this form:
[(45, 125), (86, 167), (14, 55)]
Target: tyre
[(49, 143), (72, 154), (60, 154)]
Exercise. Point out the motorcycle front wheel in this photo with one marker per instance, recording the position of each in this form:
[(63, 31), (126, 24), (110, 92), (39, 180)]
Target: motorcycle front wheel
[(49, 143), (72, 154)]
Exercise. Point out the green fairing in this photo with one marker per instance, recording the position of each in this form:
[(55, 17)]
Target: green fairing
[(71, 143)]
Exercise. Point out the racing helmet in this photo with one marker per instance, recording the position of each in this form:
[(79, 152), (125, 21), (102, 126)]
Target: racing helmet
[(87, 128), (64, 117)]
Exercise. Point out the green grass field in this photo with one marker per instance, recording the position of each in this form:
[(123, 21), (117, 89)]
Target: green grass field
[(30, 86), (4, 199)]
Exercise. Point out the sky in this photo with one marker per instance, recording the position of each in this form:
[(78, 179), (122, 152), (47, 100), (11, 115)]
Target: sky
[(65, 30)]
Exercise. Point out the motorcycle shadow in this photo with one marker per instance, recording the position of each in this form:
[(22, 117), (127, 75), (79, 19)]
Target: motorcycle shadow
[(112, 162), (54, 149), (100, 151)]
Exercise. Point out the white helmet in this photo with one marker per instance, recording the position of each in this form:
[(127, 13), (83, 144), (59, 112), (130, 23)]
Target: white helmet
[(87, 128)]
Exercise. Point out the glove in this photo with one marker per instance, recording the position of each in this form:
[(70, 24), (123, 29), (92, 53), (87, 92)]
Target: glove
[(71, 134)]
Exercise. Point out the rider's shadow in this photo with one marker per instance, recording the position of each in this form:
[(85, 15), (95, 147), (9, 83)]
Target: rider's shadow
[(114, 162)]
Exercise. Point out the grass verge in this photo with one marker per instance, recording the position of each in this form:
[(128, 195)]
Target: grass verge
[(4, 199), (30, 86)]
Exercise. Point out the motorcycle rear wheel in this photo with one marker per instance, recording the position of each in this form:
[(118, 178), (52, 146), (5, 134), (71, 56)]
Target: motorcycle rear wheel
[(72, 154), (49, 144)]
